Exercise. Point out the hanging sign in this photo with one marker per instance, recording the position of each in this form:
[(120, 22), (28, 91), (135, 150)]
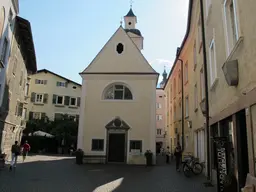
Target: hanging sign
[(221, 159)]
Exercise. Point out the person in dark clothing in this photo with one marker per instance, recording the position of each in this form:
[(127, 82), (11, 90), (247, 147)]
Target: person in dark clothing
[(167, 154), (15, 153), (178, 154)]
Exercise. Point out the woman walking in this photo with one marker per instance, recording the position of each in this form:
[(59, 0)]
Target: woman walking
[(178, 154)]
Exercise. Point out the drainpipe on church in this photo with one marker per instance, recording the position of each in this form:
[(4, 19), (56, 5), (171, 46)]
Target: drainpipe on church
[(206, 92)]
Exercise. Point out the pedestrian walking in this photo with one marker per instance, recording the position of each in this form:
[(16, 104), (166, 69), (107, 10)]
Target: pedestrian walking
[(25, 150), (15, 153), (167, 155), (178, 154)]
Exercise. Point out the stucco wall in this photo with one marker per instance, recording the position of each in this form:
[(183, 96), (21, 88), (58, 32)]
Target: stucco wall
[(50, 88), (16, 79), (221, 95), (7, 33), (139, 113)]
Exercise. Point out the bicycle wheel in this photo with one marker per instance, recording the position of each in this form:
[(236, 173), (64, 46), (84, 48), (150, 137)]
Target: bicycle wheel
[(197, 168), (186, 170)]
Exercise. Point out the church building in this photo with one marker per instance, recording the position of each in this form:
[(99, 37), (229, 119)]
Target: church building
[(118, 102)]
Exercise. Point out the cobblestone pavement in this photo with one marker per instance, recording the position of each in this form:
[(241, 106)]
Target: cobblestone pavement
[(61, 174)]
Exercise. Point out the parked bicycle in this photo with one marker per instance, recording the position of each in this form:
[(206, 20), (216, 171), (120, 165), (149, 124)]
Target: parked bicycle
[(192, 165)]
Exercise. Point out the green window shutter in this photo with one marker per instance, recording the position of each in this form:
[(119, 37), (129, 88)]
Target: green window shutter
[(45, 98), (43, 116), (30, 117), (67, 99), (54, 98), (33, 97), (78, 101)]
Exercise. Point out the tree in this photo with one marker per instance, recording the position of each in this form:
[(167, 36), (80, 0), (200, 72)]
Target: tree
[(65, 128)]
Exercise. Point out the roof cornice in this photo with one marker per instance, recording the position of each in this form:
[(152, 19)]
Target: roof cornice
[(184, 40)]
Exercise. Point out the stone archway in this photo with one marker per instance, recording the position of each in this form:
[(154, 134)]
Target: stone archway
[(117, 139)]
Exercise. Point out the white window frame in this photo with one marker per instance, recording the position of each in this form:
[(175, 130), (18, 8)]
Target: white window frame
[(40, 82), (199, 31), (159, 131), (39, 94), (213, 63), (186, 106), (39, 117), (208, 4), (227, 24), (63, 98), (186, 72), (194, 54), (75, 101), (186, 139), (61, 84), (202, 86), (195, 97), (159, 117), (158, 105)]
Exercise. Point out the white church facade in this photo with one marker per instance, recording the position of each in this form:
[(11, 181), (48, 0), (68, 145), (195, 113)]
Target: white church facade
[(118, 103)]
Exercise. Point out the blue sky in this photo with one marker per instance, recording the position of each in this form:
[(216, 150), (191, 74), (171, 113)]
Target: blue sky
[(67, 36)]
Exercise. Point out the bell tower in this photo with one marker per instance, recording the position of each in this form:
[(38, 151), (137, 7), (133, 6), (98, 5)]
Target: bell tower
[(130, 21)]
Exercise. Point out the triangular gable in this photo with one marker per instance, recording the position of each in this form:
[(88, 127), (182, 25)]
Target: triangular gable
[(117, 123), (130, 61)]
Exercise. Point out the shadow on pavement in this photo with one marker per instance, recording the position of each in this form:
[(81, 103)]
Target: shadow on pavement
[(55, 173)]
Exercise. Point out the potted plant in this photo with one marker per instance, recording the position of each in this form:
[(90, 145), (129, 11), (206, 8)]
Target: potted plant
[(149, 157), (2, 159), (79, 156)]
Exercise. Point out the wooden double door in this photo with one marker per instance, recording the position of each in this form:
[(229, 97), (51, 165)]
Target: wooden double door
[(116, 147)]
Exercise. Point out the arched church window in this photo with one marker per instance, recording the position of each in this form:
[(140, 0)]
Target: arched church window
[(118, 92), (120, 48)]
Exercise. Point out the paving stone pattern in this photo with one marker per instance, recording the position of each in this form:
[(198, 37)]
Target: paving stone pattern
[(60, 174)]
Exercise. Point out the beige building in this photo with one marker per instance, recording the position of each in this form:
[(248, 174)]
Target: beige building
[(118, 106), (21, 63), (52, 96), (231, 52)]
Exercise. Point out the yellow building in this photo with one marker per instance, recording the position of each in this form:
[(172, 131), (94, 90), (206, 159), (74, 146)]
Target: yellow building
[(188, 57), (52, 96), (230, 54)]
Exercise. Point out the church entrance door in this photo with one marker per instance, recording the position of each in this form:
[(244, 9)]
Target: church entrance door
[(116, 147)]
